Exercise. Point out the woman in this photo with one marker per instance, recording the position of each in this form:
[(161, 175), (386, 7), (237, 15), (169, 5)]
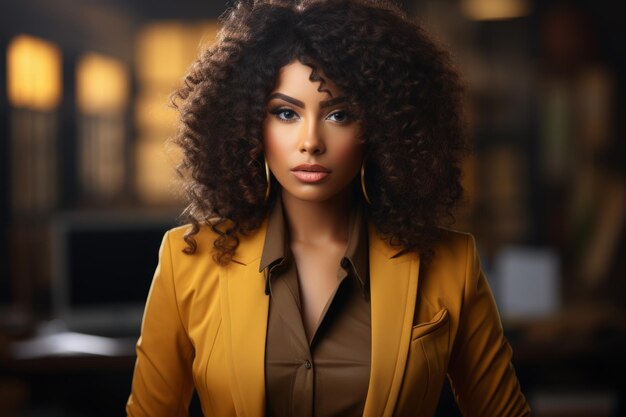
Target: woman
[(322, 142)]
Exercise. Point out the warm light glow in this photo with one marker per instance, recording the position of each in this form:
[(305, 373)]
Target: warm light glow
[(102, 85), (156, 180), (33, 73), (166, 49), (153, 113), (495, 9), (161, 53)]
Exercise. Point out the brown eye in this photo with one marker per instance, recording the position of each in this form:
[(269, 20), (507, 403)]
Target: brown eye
[(340, 116), (284, 114)]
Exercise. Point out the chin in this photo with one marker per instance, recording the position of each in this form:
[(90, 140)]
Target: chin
[(313, 196), (315, 193)]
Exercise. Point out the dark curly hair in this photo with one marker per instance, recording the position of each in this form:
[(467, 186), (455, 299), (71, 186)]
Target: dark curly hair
[(403, 87)]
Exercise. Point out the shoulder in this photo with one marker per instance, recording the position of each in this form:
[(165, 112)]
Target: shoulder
[(454, 247), (455, 262), (249, 245), (205, 237), (192, 280), (190, 272)]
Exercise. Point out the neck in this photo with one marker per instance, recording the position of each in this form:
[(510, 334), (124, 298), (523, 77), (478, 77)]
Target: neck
[(318, 223)]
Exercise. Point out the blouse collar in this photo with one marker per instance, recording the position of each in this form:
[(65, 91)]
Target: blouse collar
[(276, 248)]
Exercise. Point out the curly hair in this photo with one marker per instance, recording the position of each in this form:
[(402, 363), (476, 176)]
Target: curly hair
[(405, 91)]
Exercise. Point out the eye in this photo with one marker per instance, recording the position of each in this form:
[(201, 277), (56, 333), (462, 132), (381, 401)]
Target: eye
[(340, 116), (284, 114)]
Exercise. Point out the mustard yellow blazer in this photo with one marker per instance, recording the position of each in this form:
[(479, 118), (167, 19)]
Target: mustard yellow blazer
[(204, 326)]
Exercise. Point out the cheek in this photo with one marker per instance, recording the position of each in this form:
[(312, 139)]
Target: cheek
[(274, 146), (276, 152), (349, 152)]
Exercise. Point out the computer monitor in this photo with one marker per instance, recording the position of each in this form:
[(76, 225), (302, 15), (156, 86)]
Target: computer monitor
[(103, 264)]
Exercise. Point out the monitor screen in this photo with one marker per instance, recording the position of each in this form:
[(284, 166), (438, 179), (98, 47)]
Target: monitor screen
[(104, 265), (113, 265)]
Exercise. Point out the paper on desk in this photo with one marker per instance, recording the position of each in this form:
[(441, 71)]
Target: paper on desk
[(69, 343)]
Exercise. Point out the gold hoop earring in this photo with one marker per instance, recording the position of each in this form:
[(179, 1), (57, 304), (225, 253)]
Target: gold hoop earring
[(268, 179), (367, 198)]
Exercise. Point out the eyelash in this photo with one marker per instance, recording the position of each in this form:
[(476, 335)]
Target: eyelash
[(279, 110)]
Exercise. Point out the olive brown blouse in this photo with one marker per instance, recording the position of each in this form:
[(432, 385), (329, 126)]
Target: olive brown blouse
[(329, 374)]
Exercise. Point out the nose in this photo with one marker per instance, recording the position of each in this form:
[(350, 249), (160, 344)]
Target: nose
[(311, 140)]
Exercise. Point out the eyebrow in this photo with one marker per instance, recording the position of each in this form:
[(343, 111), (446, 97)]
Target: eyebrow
[(296, 102), (333, 101)]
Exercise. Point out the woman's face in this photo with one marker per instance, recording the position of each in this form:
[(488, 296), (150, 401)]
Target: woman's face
[(312, 143)]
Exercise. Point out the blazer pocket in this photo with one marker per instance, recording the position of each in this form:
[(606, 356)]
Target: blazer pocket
[(425, 366), (439, 320)]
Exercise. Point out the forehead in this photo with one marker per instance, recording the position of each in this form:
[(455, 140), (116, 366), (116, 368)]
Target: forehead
[(294, 77)]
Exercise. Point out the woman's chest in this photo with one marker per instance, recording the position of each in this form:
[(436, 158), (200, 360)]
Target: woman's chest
[(219, 381)]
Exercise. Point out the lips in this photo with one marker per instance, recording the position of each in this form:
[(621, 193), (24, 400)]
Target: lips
[(311, 168), (310, 173)]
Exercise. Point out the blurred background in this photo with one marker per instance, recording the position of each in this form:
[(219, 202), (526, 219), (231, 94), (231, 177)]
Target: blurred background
[(87, 188)]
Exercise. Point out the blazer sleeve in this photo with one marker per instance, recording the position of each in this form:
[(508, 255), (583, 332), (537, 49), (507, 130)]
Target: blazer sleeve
[(162, 382), (480, 371)]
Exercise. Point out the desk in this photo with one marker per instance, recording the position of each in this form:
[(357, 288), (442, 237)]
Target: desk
[(578, 355), (68, 385), (563, 355)]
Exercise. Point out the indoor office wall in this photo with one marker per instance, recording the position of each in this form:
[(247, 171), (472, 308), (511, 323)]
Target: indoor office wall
[(43, 44), (86, 185), (92, 142), (546, 185), (545, 113), (545, 110)]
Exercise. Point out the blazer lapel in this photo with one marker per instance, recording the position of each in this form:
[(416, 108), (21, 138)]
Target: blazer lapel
[(244, 307), (393, 287)]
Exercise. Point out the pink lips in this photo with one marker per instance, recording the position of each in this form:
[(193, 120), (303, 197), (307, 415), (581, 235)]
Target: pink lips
[(310, 173)]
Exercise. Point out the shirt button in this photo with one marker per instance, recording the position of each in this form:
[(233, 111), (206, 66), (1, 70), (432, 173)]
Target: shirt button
[(307, 364), (345, 263)]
